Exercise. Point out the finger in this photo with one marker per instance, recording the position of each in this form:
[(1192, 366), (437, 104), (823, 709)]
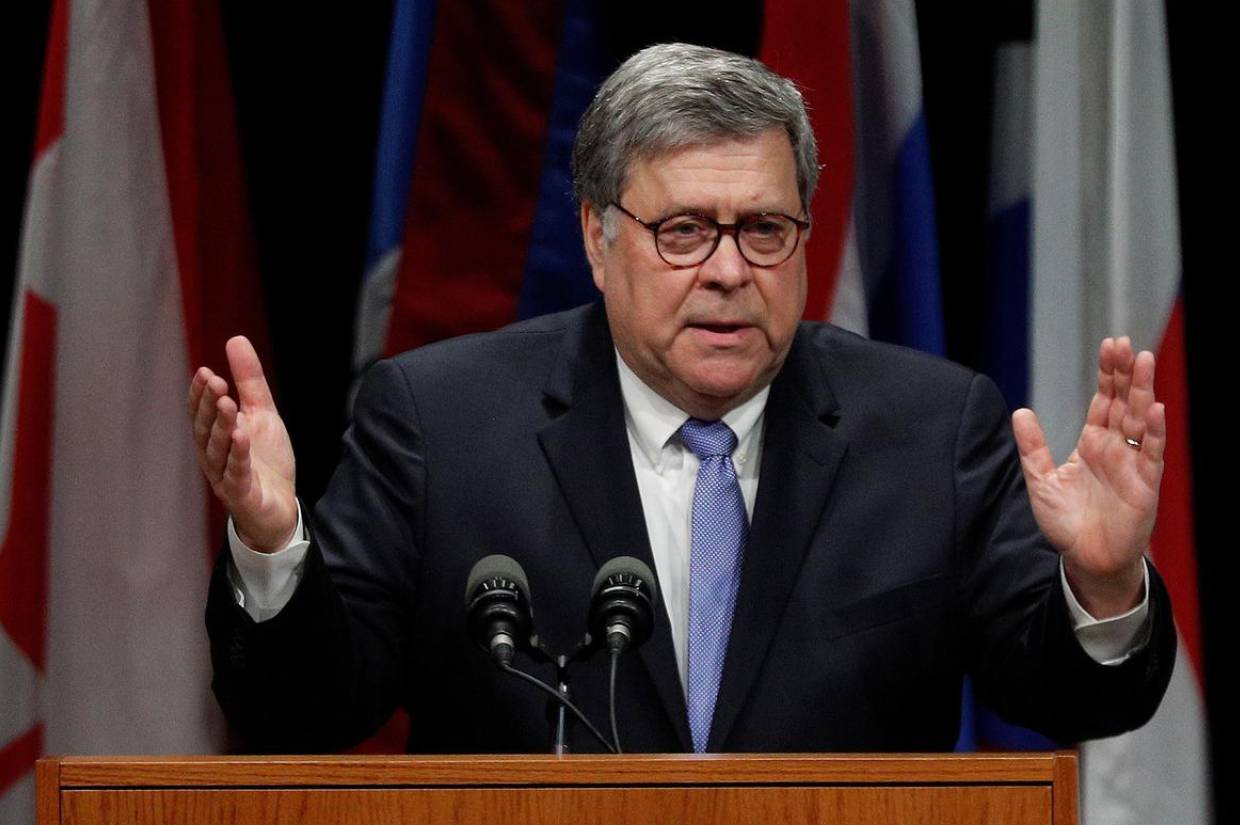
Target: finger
[(220, 441), (1099, 410), (1154, 444), (247, 372), (1140, 396), (1123, 367), (237, 478), (197, 385), (1100, 405), (1106, 367), (1122, 376), (1035, 456), (215, 389)]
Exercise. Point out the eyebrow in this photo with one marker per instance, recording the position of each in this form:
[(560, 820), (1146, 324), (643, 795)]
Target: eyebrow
[(688, 209)]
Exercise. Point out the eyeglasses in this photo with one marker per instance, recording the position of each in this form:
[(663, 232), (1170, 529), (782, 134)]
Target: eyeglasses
[(765, 239)]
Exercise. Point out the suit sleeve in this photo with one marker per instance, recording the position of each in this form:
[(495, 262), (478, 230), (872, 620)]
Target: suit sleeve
[(1023, 653), (330, 668)]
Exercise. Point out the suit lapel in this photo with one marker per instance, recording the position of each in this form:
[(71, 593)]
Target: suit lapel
[(800, 456), (588, 450)]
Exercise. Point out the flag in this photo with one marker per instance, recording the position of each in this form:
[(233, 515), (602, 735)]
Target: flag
[(894, 227), (409, 47), (1106, 261), (1005, 299), (473, 103), (819, 59), (1005, 336), (873, 259), (135, 264), (467, 151)]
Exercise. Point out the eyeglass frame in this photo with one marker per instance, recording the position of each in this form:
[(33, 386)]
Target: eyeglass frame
[(732, 229)]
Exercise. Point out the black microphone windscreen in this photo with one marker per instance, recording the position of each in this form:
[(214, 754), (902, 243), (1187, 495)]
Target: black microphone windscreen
[(496, 567), (627, 568)]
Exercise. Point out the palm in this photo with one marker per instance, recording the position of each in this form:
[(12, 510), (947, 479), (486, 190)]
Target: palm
[(1098, 507), (271, 492)]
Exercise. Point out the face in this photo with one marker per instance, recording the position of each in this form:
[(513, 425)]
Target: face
[(706, 338)]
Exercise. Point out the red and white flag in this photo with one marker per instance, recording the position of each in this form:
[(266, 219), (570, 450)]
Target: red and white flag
[(1106, 261), (135, 264)]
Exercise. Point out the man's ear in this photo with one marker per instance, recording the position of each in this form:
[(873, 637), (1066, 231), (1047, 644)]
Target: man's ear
[(596, 243)]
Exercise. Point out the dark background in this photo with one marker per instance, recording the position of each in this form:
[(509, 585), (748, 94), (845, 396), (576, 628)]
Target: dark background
[(308, 80)]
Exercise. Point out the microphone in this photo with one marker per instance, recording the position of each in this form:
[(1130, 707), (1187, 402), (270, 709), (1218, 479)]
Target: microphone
[(623, 604), (622, 616), (497, 604), (499, 619)]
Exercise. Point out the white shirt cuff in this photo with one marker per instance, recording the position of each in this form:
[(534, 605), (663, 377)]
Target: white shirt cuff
[(263, 583), (1110, 641)]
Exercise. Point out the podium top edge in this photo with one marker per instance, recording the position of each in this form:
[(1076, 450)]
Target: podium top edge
[(547, 770)]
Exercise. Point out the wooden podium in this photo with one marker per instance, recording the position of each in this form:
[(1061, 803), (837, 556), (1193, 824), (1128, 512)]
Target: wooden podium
[(986, 789)]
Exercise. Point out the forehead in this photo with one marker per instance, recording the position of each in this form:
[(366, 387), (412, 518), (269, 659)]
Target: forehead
[(755, 173)]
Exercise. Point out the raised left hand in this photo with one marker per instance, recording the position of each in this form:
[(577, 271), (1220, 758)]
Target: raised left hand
[(1097, 508)]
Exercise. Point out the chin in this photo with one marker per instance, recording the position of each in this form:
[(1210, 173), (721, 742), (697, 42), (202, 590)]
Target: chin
[(722, 390)]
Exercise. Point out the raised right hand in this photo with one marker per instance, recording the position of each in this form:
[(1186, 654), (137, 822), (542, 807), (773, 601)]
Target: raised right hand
[(245, 452)]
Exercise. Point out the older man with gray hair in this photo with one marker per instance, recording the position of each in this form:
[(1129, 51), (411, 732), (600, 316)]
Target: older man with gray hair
[(841, 530)]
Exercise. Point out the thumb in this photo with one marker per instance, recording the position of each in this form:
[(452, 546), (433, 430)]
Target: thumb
[(247, 372), (1035, 455)]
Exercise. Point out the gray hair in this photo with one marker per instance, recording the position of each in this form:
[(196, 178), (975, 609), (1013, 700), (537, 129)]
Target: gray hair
[(674, 95)]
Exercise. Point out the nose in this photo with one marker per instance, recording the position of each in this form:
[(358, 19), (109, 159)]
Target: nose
[(726, 268)]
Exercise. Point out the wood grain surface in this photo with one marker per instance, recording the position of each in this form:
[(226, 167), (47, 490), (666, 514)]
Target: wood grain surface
[(908, 805), (893, 789), (276, 771)]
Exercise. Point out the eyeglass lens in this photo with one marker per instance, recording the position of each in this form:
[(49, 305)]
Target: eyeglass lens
[(764, 240)]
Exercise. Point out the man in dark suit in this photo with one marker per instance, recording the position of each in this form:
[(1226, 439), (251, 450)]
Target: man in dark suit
[(841, 529)]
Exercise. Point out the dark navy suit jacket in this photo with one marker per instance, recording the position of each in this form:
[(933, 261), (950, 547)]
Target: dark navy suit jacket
[(892, 551)]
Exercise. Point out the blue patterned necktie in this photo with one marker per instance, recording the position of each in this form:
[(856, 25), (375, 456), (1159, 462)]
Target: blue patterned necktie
[(720, 527)]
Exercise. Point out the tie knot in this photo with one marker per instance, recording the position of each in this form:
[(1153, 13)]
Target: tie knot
[(708, 439)]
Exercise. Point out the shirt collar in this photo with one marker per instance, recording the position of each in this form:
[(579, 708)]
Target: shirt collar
[(653, 420)]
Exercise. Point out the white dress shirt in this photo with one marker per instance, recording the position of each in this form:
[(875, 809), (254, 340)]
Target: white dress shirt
[(666, 472)]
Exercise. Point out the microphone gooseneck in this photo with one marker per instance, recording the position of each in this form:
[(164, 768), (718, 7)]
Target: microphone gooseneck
[(625, 596), (499, 617), (562, 700)]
